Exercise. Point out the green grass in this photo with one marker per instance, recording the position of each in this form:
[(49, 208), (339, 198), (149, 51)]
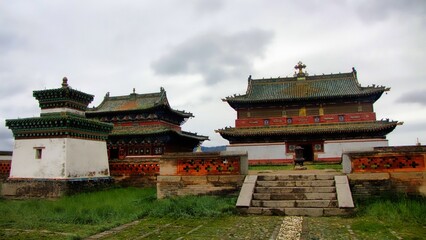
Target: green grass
[(291, 167), (85, 214), (196, 217), (395, 210), (383, 218)]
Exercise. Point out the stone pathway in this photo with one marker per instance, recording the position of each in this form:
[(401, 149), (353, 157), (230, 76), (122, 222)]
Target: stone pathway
[(291, 228), (252, 227), (113, 230)]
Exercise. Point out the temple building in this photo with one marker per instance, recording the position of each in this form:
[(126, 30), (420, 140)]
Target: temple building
[(326, 115), (61, 145), (144, 125)]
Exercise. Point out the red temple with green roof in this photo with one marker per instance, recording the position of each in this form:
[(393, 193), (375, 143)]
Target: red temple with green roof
[(324, 114), (144, 125)]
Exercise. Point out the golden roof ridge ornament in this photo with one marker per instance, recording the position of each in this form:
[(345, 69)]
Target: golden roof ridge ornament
[(300, 75)]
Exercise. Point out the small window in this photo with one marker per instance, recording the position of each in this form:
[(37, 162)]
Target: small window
[(317, 119), (38, 153), (266, 122), (341, 118), (289, 120), (318, 147)]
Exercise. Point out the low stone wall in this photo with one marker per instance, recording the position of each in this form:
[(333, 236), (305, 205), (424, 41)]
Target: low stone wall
[(216, 173), (4, 169), (386, 159), (367, 185), (51, 188), (135, 172), (170, 186)]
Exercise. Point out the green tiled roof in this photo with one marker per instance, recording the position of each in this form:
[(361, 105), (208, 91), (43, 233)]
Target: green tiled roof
[(63, 97), (136, 102), (309, 88), (59, 125), (309, 129), (152, 130)]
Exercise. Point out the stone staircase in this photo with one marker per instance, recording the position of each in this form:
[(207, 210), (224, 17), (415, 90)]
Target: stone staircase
[(295, 195)]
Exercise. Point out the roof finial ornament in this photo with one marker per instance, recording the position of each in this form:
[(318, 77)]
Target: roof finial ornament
[(354, 72), (249, 78), (65, 82), (134, 90), (300, 66), (161, 89)]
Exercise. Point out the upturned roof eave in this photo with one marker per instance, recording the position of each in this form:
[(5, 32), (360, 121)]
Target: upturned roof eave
[(232, 101), (94, 111), (233, 132)]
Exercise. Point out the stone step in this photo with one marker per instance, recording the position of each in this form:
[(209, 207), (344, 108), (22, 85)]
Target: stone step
[(296, 183), (294, 189), (313, 212), (290, 177), (294, 203), (294, 196)]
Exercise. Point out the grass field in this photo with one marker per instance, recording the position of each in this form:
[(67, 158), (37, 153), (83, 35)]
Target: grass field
[(85, 214), (204, 217)]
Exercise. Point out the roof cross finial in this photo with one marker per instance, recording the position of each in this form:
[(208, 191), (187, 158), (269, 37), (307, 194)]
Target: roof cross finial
[(300, 75), (300, 66)]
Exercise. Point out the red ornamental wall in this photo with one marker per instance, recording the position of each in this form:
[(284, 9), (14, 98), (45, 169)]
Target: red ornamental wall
[(329, 118), (389, 163)]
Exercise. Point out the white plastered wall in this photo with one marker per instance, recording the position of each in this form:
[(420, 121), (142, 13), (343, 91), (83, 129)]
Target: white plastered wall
[(86, 158), (262, 152), (334, 149), (62, 158)]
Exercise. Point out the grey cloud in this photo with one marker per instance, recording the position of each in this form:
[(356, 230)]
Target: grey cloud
[(6, 139), (378, 10), (417, 96), (216, 57), (205, 7)]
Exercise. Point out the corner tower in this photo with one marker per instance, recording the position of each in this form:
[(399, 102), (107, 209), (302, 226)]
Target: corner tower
[(59, 146)]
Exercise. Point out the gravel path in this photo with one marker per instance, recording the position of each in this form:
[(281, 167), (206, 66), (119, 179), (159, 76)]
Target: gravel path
[(291, 228)]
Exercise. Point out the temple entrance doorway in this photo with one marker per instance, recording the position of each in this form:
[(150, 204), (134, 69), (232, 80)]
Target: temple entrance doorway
[(308, 152)]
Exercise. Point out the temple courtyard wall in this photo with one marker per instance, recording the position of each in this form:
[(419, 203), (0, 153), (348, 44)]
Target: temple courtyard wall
[(223, 173)]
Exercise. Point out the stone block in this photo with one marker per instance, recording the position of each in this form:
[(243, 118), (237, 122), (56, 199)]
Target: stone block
[(337, 211), (246, 193), (169, 178), (278, 204), (316, 203), (262, 196), (168, 166), (194, 179), (368, 176), (320, 196), (324, 177), (237, 179), (267, 178), (213, 178), (250, 179), (406, 176), (343, 191), (311, 212)]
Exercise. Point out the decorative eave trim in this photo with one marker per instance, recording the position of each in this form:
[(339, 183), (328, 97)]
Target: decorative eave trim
[(233, 132), (61, 126)]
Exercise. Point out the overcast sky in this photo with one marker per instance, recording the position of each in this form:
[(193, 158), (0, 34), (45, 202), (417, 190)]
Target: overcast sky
[(202, 51)]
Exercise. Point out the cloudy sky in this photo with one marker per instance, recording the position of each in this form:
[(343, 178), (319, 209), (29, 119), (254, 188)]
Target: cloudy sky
[(202, 51)]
